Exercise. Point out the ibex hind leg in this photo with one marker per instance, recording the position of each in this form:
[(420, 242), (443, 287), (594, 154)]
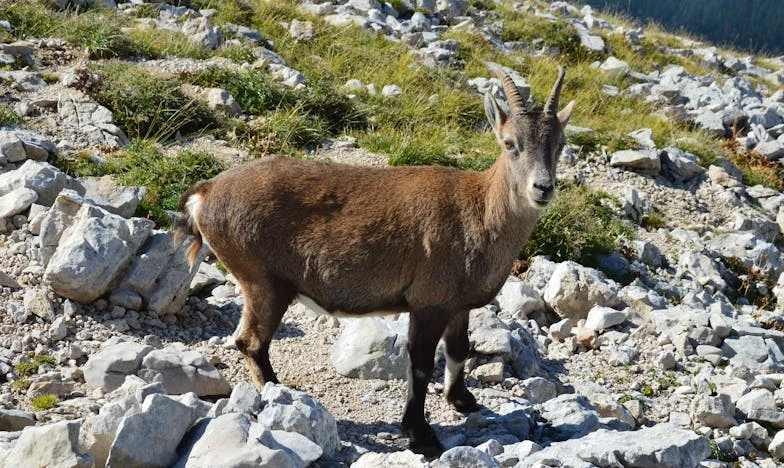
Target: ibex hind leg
[(424, 330), (265, 303), (456, 350)]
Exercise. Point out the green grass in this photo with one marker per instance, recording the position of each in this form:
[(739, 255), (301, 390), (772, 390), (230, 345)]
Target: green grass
[(28, 18), (578, 226), (288, 119), (522, 26), (149, 105), (161, 43), (22, 384), (44, 359), (229, 11), (145, 163), (26, 369), (8, 116), (238, 54), (98, 31), (166, 177), (44, 402), (81, 164)]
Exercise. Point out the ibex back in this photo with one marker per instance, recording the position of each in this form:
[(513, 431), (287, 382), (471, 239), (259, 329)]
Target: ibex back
[(432, 241)]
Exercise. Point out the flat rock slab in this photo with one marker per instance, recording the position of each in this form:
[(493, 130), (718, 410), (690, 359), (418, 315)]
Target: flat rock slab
[(660, 446), (646, 161)]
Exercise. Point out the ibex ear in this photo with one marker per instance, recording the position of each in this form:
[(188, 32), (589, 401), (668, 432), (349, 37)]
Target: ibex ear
[(495, 115), (565, 113)]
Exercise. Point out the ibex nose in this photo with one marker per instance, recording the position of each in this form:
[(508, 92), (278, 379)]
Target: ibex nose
[(546, 189)]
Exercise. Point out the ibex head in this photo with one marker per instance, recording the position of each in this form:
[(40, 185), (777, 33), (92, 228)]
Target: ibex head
[(531, 141)]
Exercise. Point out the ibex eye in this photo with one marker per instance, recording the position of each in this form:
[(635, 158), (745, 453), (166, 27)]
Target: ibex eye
[(509, 145)]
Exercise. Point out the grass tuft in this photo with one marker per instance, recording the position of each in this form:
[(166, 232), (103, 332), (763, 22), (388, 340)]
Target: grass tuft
[(166, 177), (578, 226), (26, 369), (148, 105), (161, 43), (8, 116), (44, 402), (22, 384)]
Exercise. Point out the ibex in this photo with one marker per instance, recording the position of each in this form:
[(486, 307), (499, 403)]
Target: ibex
[(432, 241)]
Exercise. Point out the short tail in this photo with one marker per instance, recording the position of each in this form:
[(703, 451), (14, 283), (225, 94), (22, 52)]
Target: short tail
[(190, 206)]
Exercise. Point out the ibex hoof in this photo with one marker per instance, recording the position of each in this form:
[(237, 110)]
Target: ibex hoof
[(463, 401), (428, 449), (423, 440)]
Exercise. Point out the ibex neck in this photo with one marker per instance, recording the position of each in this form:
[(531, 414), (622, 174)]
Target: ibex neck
[(505, 207)]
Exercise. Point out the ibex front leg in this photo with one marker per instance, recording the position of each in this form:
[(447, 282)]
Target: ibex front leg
[(424, 330), (456, 352)]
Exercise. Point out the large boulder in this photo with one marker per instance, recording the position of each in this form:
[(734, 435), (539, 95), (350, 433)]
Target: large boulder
[(233, 440), (681, 164), (93, 251), (45, 179), (150, 437), (488, 334), (16, 201), (294, 411), (182, 371), (753, 252), (660, 446), (702, 269), (760, 405), (98, 431), (79, 114), (109, 195), (464, 457), (372, 348), (517, 300), (178, 369), (52, 445), (644, 160), (57, 219), (574, 289), (15, 420), (160, 272), (569, 417), (108, 368), (17, 145)]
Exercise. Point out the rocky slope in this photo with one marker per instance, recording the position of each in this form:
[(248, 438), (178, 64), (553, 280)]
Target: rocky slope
[(113, 352)]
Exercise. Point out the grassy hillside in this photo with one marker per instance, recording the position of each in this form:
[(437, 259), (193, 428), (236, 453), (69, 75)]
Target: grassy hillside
[(437, 120)]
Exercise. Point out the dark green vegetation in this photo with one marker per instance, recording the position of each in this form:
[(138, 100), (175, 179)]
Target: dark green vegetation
[(28, 368), (579, 225), (148, 105), (8, 116), (145, 163), (753, 26)]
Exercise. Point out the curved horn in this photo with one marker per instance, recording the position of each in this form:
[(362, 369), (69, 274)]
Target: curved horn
[(516, 104), (551, 108)]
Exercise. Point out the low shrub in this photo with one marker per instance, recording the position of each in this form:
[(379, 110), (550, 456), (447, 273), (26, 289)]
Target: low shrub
[(577, 226)]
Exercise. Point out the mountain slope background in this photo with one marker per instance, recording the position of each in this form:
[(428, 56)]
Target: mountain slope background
[(750, 26)]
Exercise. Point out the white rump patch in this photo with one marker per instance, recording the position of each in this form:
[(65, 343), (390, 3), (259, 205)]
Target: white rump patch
[(193, 207)]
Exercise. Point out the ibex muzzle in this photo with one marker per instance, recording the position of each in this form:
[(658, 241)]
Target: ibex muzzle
[(432, 241)]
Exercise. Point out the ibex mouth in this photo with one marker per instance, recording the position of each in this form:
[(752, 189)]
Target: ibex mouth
[(542, 202)]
